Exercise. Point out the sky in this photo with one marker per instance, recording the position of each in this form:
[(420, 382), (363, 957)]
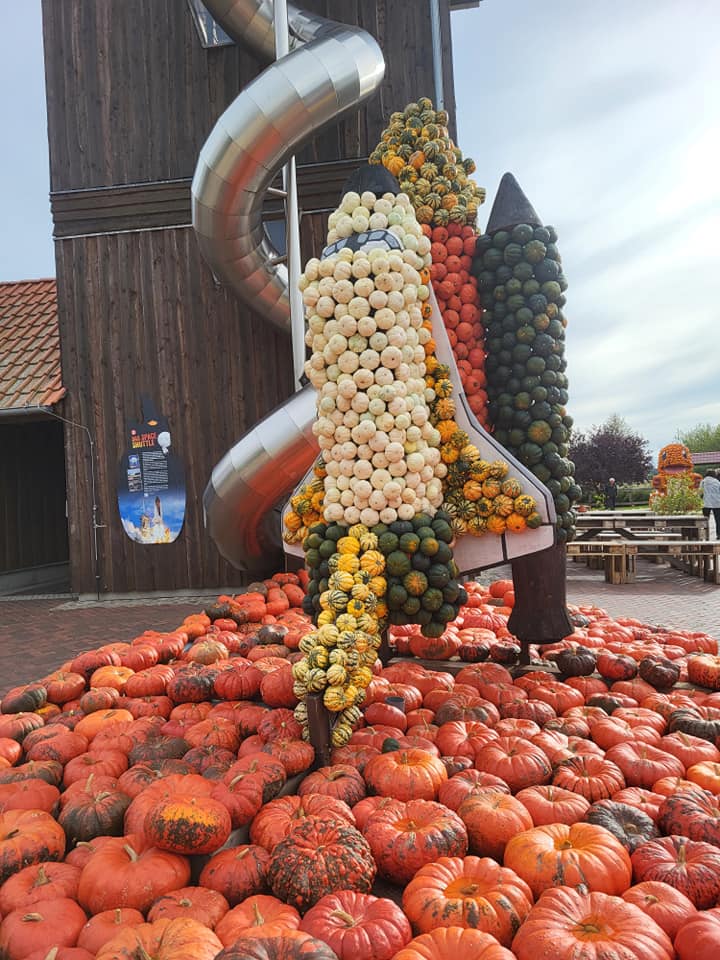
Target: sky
[(607, 113)]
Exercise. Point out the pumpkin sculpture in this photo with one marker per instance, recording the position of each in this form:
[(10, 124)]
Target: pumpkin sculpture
[(674, 460)]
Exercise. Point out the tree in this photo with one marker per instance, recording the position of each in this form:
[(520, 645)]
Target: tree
[(703, 438), (610, 450)]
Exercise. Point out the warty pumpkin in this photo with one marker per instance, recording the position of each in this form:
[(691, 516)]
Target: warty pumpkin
[(320, 857), (405, 836)]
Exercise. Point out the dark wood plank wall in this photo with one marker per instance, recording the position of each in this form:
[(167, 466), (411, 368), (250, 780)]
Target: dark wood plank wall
[(32, 495), (167, 331), (131, 97)]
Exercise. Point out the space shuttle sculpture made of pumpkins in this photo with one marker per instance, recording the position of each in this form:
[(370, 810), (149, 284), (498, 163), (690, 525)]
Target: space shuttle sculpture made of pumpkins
[(473, 553), (537, 558)]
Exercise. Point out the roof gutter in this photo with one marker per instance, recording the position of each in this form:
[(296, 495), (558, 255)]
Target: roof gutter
[(13, 413)]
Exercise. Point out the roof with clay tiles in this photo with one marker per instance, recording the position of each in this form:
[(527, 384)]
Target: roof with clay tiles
[(30, 373)]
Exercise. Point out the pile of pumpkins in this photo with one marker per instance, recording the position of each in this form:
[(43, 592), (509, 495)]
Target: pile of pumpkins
[(157, 798)]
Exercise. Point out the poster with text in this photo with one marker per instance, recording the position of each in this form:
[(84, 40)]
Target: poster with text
[(151, 483)]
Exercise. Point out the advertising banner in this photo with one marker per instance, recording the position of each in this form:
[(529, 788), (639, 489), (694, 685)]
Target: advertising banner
[(151, 483)]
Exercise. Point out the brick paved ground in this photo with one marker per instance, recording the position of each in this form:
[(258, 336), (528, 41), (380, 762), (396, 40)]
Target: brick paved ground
[(37, 635)]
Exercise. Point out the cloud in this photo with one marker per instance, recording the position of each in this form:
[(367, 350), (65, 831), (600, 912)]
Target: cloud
[(614, 134)]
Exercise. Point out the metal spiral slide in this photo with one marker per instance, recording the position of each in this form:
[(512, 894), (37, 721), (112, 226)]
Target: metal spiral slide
[(331, 69)]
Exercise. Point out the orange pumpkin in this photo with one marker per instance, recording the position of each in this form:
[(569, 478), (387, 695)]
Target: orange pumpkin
[(175, 939), (581, 854), (470, 892), (188, 825), (566, 924), (254, 913), (492, 818), (405, 775), (454, 942)]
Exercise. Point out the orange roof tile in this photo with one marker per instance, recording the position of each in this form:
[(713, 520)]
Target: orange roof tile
[(30, 373)]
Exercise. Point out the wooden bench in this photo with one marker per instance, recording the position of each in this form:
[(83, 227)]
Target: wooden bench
[(700, 558), (607, 554)]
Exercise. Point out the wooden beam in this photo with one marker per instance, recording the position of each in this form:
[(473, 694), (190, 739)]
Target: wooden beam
[(153, 205)]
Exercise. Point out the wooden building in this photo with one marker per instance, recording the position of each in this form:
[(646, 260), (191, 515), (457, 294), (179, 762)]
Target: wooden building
[(132, 94), (33, 528)]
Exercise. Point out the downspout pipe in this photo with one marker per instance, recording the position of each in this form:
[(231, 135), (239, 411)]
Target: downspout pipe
[(436, 36)]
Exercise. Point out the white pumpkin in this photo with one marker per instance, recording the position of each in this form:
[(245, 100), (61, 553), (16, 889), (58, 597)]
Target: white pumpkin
[(370, 359), (384, 318), (369, 517), (342, 270), (379, 441), (362, 469), (347, 363), (363, 378), (351, 515), (360, 402), (358, 307), (366, 326), (333, 512), (379, 478)]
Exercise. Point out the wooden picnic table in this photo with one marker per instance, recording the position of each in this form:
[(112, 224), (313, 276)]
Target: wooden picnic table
[(636, 525)]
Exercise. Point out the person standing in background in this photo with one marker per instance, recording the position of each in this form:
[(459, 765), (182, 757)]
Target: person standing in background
[(710, 486), (610, 494)]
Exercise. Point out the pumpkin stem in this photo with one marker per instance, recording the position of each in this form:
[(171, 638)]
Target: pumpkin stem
[(346, 918), (42, 878), (31, 917), (682, 855), (118, 915), (51, 954), (259, 918), (130, 852)]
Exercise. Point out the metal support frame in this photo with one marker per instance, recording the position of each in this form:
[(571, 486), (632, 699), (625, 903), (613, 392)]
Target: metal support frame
[(292, 216)]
